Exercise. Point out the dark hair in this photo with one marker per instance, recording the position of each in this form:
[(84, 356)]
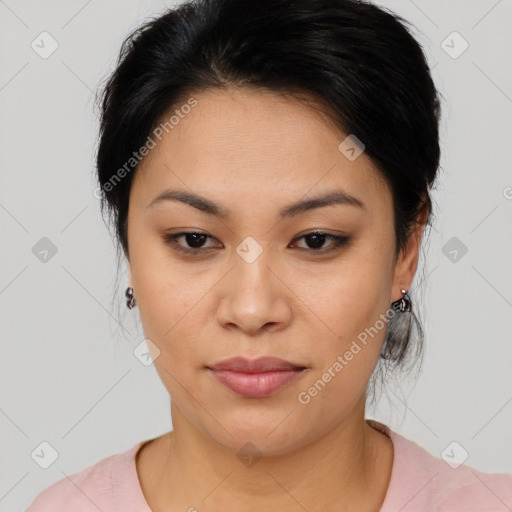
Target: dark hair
[(358, 62)]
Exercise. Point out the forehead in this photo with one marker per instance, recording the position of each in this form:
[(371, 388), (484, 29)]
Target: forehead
[(246, 144)]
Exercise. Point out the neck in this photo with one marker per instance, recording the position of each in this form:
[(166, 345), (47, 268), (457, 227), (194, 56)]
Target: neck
[(350, 466)]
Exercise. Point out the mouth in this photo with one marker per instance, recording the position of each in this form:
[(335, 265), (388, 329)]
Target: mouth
[(255, 378)]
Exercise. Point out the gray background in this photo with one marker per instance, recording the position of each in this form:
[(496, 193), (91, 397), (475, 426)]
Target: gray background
[(68, 373)]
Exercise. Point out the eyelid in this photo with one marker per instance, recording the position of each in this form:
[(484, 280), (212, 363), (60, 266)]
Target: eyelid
[(170, 239), (338, 241)]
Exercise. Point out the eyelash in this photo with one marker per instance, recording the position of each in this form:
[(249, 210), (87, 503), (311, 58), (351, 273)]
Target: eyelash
[(339, 241)]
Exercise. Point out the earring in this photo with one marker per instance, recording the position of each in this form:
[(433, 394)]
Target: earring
[(400, 331), (403, 304), (130, 299)]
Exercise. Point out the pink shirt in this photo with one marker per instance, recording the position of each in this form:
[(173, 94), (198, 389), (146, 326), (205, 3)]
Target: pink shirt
[(419, 482)]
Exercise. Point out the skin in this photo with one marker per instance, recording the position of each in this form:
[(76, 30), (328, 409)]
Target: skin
[(254, 152)]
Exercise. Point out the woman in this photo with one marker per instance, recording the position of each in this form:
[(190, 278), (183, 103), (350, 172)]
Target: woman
[(268, 167)]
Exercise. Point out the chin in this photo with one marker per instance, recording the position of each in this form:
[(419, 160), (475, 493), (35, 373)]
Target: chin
[(257, 433)]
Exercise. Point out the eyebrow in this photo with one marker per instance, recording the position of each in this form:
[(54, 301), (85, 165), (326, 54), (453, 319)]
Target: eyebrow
[(334, 197)]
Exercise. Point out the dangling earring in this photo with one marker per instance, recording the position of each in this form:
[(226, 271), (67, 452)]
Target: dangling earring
[(400, 329), (130, 299), (403, 304)]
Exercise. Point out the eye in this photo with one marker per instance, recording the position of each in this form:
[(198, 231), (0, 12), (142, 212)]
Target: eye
[(317, 239), (195, 242)]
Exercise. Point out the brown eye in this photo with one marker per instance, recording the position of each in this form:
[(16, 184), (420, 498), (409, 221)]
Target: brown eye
[(194, 240), (316, 240)]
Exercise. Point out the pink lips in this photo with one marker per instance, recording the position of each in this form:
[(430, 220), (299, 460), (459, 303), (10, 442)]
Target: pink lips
[(255, 378)]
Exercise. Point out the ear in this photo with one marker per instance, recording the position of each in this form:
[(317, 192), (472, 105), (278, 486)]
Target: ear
[(408, 259)]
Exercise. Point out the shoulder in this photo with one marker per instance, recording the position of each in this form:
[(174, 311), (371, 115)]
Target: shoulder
[(85, 491), (481, 492), (441, 483), (463, 488)]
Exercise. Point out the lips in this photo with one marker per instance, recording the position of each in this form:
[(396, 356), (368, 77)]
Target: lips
[(255, 378), (261, 364)]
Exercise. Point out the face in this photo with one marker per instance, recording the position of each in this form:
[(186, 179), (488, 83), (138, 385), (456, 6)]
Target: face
[(256, 280)]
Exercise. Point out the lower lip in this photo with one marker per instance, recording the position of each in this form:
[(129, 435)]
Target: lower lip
[(256, 385)]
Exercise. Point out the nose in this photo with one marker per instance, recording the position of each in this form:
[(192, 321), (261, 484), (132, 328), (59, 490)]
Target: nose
[(255, 299)]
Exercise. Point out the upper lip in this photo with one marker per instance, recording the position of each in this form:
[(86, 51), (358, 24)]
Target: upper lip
[(260, 364)]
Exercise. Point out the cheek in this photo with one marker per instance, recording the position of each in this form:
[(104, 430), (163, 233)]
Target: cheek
[(349, 296), (169, 305), (350, 321), (347, 356), (166, 289)]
